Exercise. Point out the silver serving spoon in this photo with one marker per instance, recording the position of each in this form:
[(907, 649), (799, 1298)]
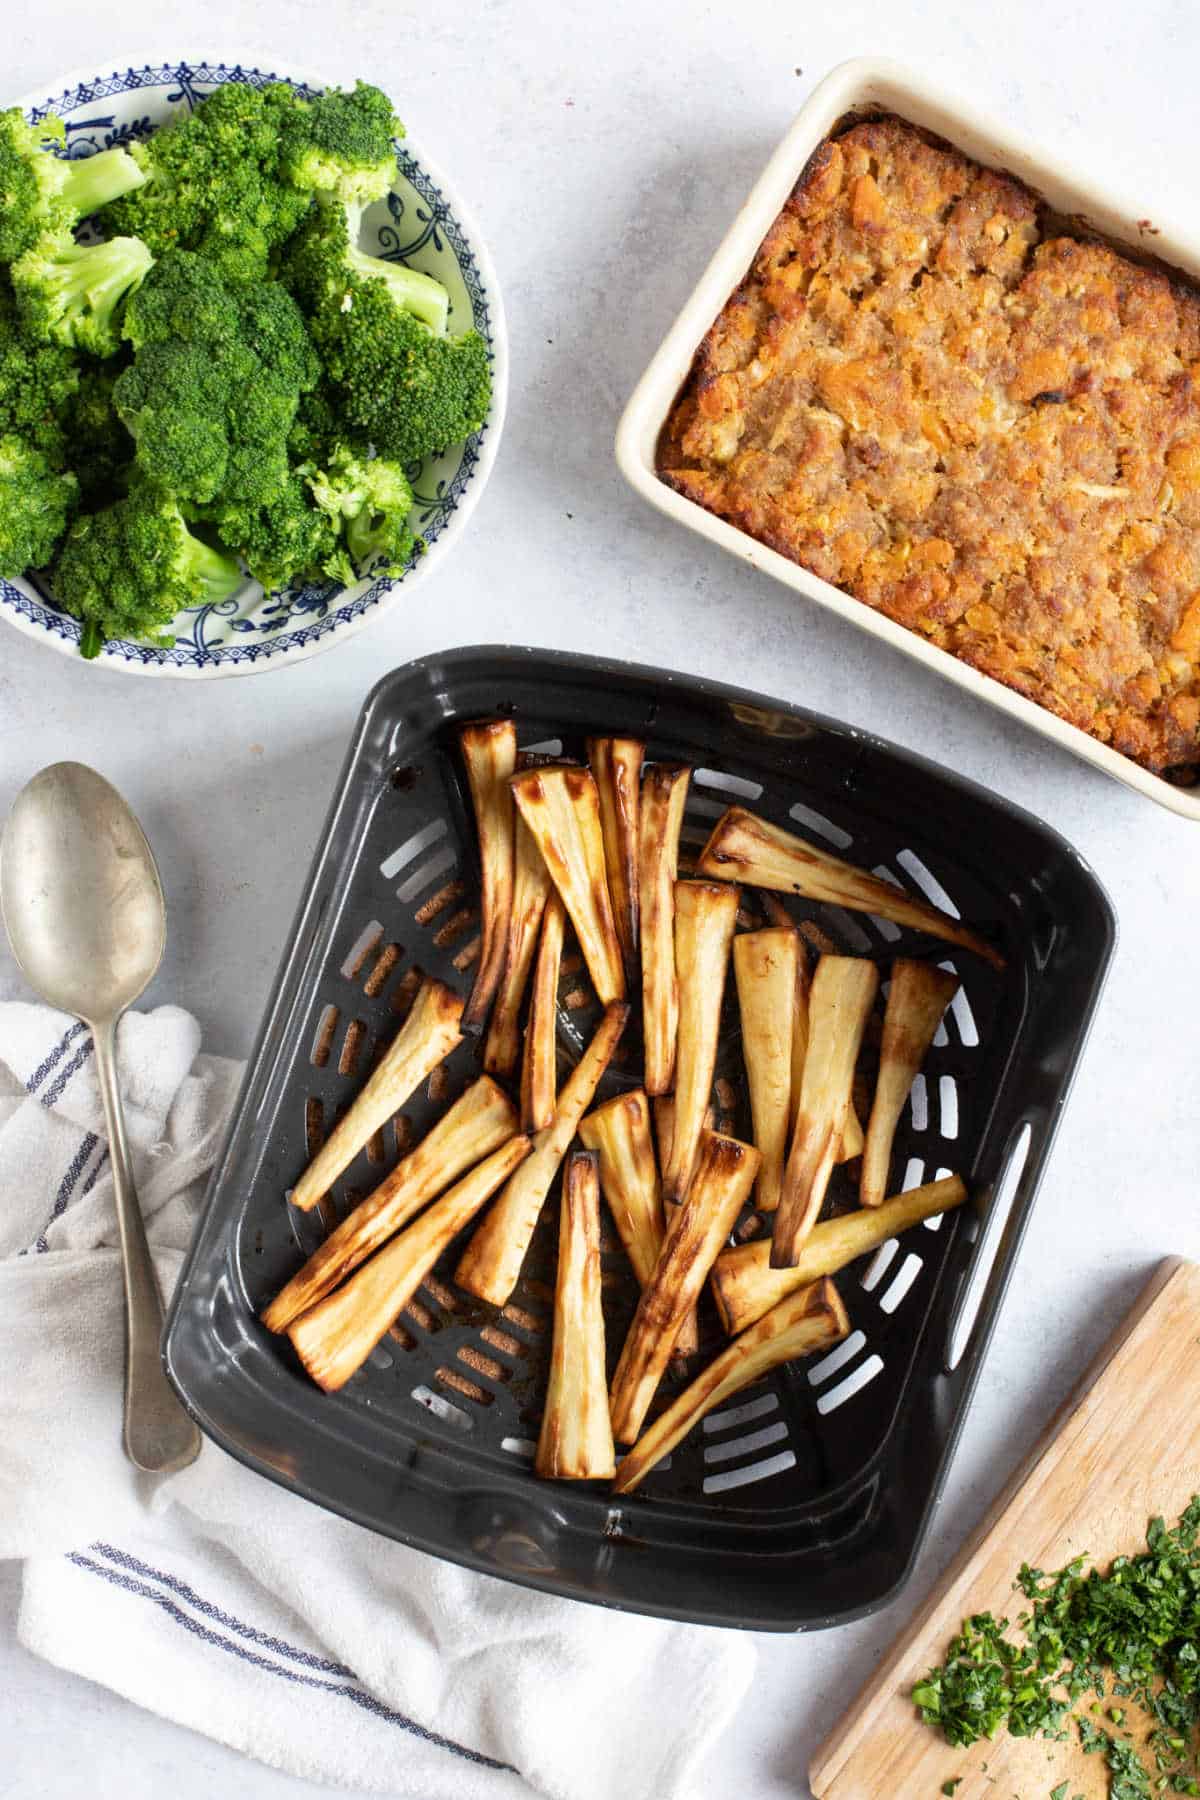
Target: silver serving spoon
[(83, 904)]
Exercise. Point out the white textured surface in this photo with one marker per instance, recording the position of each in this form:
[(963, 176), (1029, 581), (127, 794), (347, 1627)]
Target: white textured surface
[(603, 148)]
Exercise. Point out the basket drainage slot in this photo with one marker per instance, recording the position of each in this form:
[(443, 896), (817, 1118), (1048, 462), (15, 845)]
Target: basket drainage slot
[(948, 1094), (853, 1384), (837, 1359), (411, 848), (898, 1287), (522, 1447), (879, 1265), (437, 865), (742, 1446), (367, 941), (443, 1409), (741, 1415), (735, 1478), (728, 784), (927, 881), (817, 822)]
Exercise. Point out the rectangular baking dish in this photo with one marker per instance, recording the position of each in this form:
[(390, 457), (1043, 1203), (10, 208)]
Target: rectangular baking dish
[(803, 1503), (865, 86)]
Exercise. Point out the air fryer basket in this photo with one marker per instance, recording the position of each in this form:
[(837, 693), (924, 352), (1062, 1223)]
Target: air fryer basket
[(805, 1501)]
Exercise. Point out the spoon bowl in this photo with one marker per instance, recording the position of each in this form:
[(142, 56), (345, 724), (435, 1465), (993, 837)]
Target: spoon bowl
[(83, 905), (80, 893)]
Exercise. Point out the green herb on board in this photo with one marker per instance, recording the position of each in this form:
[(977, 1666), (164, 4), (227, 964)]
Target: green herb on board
[(1133, 1628)]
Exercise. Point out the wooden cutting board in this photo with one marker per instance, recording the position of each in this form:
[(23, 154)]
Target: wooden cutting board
[(1124, 1447)]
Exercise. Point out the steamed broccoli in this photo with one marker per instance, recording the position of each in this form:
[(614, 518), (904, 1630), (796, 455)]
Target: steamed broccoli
[(341, 143), (37, 382), (287, 538), (73, 294), (217, 374), (43, 192), (376, 327), (101, 450), (127, 571), (212, 182), (35, 503), (371, 501)]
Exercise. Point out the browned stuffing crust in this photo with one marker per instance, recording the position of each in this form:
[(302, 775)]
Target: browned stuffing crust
[(990, 435)]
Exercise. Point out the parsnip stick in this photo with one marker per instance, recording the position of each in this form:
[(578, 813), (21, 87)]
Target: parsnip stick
[(425, 1039), (562, 809), (766, 965), (531, 887), (616, 764), (619, 1133), (725, 1172), (843, 992), (746, 1286), (812, 1319), (539, 1065), (743, 847), (664, 1128), (664, 796), (705, 915), (917, 998), (491, 1262), (489, 750), (576, 1441), (852, 1137), (479, 1122), (335, 1337)]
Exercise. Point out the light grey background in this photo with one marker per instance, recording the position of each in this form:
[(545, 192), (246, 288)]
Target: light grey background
[(604, 148)]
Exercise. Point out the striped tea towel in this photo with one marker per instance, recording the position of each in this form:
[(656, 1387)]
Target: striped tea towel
[(217, 1599)]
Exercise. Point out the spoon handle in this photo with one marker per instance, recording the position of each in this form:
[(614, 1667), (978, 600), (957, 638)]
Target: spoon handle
[(159, 1435)]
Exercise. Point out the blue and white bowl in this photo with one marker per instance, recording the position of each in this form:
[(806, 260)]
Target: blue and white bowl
[(422, 223)]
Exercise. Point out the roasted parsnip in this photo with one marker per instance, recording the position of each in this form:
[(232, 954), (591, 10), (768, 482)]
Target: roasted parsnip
[(664, 1127), (425, 1039), (724, 1175), (489, 750), (619, 1133), (335, 1337), (840, 1000), (576, 1441), (852, 1137), (616, 764), (479, 1122), (705, 915), (492, 1260), (918, 996), (664, 796), (562, 809), (539, 1065), (766, 965), (531, 887), (812, 1319), (743, 847), (746, 1286)]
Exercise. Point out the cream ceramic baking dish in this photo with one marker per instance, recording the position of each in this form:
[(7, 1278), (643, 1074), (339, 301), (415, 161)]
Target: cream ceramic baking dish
[(865, 86)]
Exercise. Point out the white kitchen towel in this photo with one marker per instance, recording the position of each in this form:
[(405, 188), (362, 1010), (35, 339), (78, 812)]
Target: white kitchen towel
[(221, 1601)]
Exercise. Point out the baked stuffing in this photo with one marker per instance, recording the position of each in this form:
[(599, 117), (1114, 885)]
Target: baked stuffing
[(990, 434)]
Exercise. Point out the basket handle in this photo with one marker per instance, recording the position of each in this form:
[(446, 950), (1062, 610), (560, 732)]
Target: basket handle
[(986, 1274)]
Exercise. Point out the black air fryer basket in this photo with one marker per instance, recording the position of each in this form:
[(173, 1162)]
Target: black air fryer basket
[(804, 1502)]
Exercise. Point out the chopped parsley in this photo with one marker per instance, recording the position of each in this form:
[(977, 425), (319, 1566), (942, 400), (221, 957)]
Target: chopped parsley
[(1133, 1629)]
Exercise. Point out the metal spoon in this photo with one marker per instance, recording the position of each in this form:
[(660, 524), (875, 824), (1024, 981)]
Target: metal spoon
[(83, 904)]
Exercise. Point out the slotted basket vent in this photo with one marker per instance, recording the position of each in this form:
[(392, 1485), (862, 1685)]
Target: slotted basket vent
[(805, 1499)]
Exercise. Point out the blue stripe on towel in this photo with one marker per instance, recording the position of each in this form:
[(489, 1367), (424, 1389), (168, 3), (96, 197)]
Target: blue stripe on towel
[(60, 1081), (359, 1696), (67, 1188), (55, 1057)]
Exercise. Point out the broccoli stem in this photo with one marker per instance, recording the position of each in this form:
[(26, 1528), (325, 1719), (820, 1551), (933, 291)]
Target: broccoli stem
[(92, 641), (220, 574), (92, 181), (418, 294)]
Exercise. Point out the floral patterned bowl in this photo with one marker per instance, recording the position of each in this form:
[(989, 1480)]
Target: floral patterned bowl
[(422, 223)]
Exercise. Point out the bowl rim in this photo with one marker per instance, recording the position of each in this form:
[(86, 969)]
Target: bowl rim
[(885, 85), (27, 613)]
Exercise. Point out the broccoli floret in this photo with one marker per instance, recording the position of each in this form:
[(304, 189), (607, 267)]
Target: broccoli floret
[(127, 571), (371, 500), (400, 385), (74, 294), (342, 143), (36, 500), (212, 393), (37, 382), (212, 182), (288, 538), (43, 192), (101, 450), (319, 427)]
